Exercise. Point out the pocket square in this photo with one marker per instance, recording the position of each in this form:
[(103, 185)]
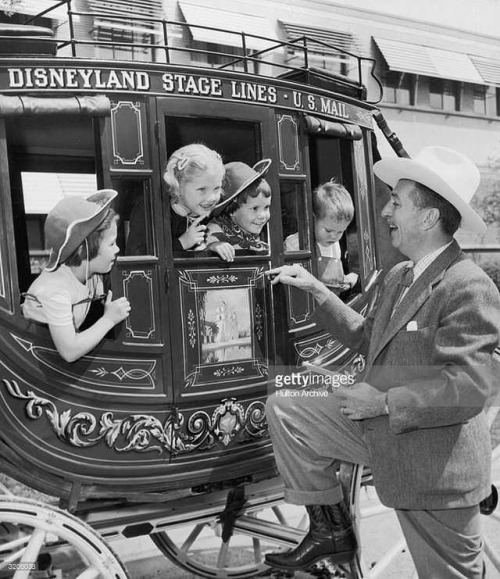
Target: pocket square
[(412, 326)]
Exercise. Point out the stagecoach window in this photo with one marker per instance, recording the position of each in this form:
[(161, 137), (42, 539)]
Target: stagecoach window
[(293, 216), (135, 232), (41, 191)]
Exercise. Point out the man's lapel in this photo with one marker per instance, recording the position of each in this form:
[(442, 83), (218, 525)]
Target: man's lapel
[(416, 296)]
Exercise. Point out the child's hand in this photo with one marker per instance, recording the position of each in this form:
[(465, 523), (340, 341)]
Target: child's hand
[(116, 311), (194, 234), (351, 279), (223, 249)]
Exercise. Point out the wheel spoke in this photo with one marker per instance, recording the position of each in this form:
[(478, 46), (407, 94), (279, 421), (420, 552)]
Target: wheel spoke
[(91, 573), (35, 544), (222, 558), (193, 535), (13, 544), (11, 558), (257, 551), (279, 515)]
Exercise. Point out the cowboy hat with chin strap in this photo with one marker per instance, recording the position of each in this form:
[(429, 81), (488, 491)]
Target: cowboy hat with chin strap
[(448, 173), (71, 221), (238, 177)]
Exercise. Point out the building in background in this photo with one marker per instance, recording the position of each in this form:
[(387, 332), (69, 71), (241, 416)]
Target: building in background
[(438, 63)]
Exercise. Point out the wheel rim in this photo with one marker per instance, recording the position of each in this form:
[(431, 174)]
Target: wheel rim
[(31, 528), (255, 533)]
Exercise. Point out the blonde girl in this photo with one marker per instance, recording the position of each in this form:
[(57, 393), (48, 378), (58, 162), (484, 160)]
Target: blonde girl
[(193, 178)]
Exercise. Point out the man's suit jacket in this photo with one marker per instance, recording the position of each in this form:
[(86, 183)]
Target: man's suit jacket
[(434, 358)]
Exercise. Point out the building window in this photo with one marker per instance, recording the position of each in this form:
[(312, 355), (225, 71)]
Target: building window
[(399, 88), (125, 44), (216, 55), (444, 94), (479, 99), (498, 101)]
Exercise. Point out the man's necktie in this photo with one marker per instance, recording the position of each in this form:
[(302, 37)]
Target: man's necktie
[(404, 284)]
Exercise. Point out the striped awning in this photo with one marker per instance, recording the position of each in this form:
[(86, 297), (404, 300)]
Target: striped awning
[(224, 27), (143, 14), (489, 69), (429, 61), (321, 40)]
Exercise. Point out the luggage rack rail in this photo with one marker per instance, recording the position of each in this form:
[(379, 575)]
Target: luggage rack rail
[(162, 45)]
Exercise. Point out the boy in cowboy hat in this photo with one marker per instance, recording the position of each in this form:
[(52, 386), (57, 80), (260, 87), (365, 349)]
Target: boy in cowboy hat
[(417, 418), (81, 236), (244, 211)]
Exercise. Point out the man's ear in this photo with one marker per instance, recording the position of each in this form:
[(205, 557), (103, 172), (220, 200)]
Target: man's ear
[(431, 217)]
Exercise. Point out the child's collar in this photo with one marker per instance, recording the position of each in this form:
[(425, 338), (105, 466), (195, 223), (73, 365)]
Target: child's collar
[(180, 210)]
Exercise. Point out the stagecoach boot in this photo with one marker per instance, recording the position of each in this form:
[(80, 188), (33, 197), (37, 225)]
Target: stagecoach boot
[(330, 534)]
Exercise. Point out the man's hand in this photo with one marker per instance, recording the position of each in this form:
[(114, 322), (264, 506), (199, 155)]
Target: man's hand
[(361, 401), (295, 275)]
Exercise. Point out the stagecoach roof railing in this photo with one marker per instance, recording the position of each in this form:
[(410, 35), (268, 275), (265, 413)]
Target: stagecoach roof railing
[(159, 26)]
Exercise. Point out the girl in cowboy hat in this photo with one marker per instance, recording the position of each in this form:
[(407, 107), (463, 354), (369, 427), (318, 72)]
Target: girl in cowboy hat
[(193, 177), (243, 213), (81, 236)]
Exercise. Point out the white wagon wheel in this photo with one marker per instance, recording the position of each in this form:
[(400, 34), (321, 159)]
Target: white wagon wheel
[(29, 528), (262, 529), (263, 524)]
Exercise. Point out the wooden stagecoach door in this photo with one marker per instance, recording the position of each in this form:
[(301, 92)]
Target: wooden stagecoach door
[(221, 314)]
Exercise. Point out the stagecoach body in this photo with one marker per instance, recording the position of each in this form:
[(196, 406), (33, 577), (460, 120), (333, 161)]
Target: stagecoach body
[(171, 404)]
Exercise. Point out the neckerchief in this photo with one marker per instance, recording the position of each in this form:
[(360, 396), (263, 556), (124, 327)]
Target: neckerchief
[(235, 235)]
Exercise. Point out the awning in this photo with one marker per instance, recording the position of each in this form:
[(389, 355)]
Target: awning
[(143, 13), (489, 69), (203, 20), (321, 40), (429, 61)]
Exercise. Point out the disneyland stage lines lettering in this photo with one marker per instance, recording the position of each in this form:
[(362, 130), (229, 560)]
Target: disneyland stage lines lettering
[(188, 84), (251, 91), (78, 78)]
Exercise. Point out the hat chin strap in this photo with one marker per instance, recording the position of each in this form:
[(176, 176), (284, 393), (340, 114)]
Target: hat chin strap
[(87, 263)]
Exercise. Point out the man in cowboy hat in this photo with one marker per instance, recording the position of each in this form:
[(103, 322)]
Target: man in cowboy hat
[(417, 418)]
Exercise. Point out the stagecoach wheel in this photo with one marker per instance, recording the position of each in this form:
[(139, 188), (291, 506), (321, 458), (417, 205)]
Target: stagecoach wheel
[(32, 532), (199, 548)]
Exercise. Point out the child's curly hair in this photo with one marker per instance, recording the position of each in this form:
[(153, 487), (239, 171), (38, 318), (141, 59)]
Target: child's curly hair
[(188, 162)]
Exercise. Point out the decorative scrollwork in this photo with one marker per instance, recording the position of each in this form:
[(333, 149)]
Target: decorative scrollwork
[(218, 279), (192, 329), (311, 351), (144, 432), (358, 365), (259, 321), (255, 420), (228, 371), (228, 419), (137, 432)]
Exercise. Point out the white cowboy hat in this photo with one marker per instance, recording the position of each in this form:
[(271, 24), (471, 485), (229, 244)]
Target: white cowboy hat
[(448, 173), (71, 221)]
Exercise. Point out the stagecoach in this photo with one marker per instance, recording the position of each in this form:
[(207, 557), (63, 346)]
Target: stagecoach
[(160, 431)]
